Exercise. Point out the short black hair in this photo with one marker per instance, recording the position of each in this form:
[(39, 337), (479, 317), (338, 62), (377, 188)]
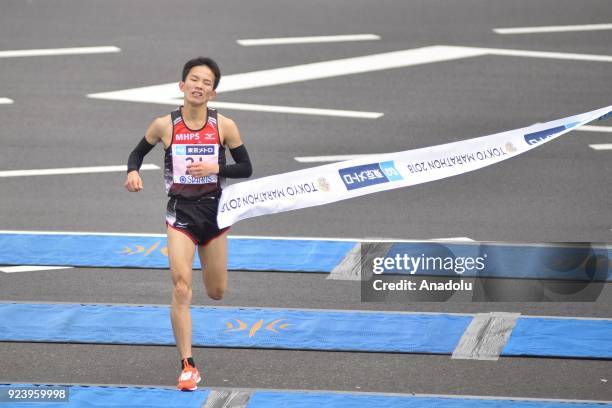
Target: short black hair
[(209, 62)]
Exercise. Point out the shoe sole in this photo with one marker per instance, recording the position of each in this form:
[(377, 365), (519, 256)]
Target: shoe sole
[(191, 389)]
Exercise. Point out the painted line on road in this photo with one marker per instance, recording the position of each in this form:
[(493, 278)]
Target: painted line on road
[(586, 128), (603, 146), (5, 101), (255, 237), (349, 269), (296, 110), (31, 268), (547, 55), (234, 398), (59, 51), (486, 336), (553, 29), (170, 93), (305, 40), (72, 170)]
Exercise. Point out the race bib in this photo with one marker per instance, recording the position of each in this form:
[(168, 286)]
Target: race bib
[(184, 154)]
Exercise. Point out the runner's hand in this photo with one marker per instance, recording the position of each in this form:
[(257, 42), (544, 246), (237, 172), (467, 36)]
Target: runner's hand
[(202, 169), (133, 183)]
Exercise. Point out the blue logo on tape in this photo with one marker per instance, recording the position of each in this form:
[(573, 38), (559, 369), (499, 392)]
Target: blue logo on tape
[(369, 175), (542, 135)]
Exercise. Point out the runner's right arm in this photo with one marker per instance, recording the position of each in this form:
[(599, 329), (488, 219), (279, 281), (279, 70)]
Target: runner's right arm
[(154, 134)]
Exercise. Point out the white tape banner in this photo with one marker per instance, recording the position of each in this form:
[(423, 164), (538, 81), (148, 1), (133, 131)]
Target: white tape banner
[(352, 178)]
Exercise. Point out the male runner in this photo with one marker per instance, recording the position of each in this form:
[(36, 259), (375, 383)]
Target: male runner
[(194, 138)]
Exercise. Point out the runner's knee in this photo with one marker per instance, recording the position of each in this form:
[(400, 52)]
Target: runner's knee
[(215, 293), (182, 292)]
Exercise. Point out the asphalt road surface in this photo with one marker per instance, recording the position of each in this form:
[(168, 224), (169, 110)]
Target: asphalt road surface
[(556, 193)]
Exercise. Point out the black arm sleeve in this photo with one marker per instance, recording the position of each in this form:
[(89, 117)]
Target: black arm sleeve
[(138, 154), (242, 168)]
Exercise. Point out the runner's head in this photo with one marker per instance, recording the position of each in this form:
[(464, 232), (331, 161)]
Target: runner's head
[(202, 61)]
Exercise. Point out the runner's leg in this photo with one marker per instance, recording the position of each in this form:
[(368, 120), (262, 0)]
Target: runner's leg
[(181, 251), (214, 260)]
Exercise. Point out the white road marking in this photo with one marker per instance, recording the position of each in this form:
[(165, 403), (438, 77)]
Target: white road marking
[(304, 40), (227, 399), (486, 336), (296, 110), (31, 268), (603, 146), (586, 128), (345, 66), (549, 55), (72, 170), (5, 101), (59, 51), (553, 29), (169, 94), (80, 233), (262, 237), (328, 159)]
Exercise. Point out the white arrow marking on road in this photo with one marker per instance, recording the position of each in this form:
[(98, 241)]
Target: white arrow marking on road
[(169, 94), (295, 110), (604, 146), (5, 101), (586, 128), (72, 170), (58, 51), (304, 40), (31, 268), (553, 29)]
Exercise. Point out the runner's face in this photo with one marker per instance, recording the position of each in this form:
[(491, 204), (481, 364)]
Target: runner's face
[(198, 86)]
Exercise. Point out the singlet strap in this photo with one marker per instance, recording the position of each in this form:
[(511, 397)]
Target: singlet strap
[(175, 116)]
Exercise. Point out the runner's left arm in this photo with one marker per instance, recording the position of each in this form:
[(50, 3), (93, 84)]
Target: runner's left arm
[(242, 167)]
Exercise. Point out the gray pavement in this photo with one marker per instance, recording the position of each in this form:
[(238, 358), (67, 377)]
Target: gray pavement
[(558, 192)]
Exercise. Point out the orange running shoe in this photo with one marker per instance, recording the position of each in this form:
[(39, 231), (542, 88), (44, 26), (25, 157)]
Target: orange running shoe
[(189, 378)]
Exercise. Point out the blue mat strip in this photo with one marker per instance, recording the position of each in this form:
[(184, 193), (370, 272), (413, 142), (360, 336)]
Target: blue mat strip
[(582, 262), (561, 338), (296, 329), (263, 399), (151, 252), (142, 397), (235, 327)]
